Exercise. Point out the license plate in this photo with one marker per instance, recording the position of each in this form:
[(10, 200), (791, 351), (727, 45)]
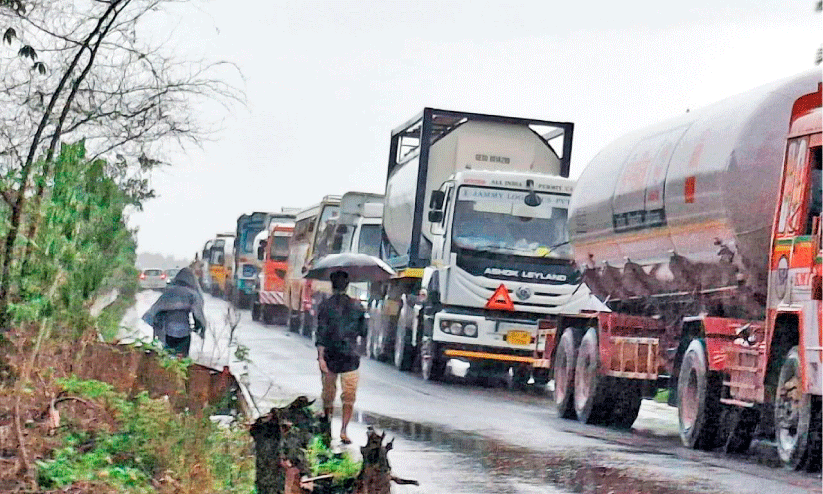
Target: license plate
[(519, 337)]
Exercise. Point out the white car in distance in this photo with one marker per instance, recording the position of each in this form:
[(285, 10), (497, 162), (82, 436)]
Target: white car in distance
[(152, 279)]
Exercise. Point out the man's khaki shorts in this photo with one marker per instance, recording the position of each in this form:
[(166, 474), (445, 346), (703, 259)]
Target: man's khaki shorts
[(348, 381)]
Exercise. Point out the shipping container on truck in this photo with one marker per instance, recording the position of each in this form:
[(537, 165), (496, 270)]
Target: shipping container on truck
[(270, 303), (246, 264), (474, 222), (702, 235), (309, 228)]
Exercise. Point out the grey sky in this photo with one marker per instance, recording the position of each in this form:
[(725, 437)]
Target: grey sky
[(327, 81)]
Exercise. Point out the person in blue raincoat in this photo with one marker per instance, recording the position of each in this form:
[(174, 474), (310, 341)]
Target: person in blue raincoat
[(178, 309)]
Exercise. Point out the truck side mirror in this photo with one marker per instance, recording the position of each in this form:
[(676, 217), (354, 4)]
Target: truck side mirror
[(437, 199), (261, 251), (435, 216)]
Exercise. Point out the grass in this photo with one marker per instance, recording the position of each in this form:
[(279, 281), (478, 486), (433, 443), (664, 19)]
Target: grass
[(662, 395), (323, 460), (150, 449)]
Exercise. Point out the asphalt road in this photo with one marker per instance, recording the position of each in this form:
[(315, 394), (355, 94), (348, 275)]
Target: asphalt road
[(458, 437)]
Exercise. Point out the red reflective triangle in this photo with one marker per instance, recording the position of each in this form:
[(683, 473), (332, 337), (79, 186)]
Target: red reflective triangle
[(500, 300)]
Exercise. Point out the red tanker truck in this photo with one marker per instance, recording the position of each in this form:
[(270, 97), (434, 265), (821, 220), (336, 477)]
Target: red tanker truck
[(702, 236)]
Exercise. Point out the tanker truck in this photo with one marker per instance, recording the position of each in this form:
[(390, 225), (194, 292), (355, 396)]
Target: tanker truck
[(474, 223), (702, 235)]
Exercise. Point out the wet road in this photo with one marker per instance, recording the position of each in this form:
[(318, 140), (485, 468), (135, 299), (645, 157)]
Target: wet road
[(456, 437)]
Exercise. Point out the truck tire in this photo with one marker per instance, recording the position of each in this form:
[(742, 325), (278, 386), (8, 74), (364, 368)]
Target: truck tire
[(432, 366), (403, 349), (792, 414), (698, 400), (565, 358), (307, 325), (589, 385), (256, 308), (294, 321), (625, 399)]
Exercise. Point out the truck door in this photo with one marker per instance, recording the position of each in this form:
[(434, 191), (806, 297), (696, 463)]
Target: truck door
[(793, 257)]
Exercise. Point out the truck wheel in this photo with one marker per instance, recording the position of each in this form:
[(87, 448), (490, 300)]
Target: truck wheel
[(625, 400), (589, 385), (402, 349), (255, 311), (432, 366), (698, 400), (792, 414), (294, 321), (564, 361)]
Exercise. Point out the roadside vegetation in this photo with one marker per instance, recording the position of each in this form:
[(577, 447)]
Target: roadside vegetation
[(87, 111)]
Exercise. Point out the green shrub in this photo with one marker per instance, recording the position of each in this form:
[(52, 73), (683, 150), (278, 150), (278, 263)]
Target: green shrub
[(323, 461), (151, 441)]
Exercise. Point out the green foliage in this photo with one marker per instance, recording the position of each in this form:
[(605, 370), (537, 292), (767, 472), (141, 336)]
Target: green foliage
[(662, 395), (324, 461), (150, 442), (82, 247)]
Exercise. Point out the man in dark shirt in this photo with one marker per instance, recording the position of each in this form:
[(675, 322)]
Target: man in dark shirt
[(339, 322)]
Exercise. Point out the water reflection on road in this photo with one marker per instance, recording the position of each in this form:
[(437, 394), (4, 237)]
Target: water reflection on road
[(464, 462)]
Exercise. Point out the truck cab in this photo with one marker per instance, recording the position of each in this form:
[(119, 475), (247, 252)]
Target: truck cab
[(309, 229), (273, 251), (474, 222), (221, 263)]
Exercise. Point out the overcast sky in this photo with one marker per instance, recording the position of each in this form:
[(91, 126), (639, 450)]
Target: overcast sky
[(327, 81)]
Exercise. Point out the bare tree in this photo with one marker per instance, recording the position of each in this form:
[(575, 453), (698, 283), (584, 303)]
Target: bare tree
[(80, 69)]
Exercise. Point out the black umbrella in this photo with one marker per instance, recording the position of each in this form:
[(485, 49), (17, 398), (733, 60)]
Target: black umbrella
[(359, 267)]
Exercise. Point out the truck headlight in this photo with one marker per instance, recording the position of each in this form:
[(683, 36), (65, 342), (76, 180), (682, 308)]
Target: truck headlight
[(456, 328), (470, 329)]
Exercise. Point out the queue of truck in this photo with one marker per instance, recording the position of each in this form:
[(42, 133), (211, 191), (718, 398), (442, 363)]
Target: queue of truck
[(686, 258)]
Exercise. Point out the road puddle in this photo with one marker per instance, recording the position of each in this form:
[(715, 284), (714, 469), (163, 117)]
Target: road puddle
[(518, 469)]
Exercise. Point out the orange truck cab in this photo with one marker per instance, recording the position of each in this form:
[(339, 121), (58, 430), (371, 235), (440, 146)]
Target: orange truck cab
[(270, 305)]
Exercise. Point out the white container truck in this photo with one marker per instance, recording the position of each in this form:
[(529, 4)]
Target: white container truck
[(474, 222)]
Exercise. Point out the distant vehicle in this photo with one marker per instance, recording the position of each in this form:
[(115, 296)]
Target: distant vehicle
[(202, 267), (309, 227), (240, 287), (170, 274), (221, 263), (152, 279), (273, 251), (356, 229)]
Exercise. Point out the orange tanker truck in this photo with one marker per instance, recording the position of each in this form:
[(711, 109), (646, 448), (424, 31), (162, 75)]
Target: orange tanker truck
[(702, 235)]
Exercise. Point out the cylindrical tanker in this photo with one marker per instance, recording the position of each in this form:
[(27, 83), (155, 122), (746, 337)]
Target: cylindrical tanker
[(473, 145), (687, 206)]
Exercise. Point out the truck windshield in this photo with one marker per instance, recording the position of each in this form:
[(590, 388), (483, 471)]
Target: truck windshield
[(369, 241), (498, 220), (279, 248)]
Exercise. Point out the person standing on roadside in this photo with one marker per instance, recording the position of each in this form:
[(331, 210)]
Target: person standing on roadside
[(339, 322), (169, 316)]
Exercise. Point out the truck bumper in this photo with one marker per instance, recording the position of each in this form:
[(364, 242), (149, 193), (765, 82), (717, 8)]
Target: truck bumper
[(495, 340)]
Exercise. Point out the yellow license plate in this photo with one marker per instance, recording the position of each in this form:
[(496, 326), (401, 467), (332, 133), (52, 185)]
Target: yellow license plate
[(519, 337)]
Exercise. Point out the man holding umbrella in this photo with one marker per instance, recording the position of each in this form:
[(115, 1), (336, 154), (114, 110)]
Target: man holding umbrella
[(339, 322)]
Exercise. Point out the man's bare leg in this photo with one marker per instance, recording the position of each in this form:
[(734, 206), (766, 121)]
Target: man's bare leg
[(347, 413)]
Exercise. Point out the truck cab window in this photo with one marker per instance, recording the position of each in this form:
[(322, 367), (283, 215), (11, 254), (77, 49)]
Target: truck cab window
[(815, 189)]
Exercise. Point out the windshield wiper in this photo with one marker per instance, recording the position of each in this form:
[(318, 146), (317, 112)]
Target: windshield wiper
[(550, 249)]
